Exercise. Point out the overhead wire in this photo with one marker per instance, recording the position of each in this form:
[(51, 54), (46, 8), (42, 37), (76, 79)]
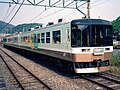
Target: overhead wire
[(11, 11), (52, 13), (95, 1), (37, 15), (70, 14), (6, 12), (16, 11), (44, 11), (14, 14), (99, 3)]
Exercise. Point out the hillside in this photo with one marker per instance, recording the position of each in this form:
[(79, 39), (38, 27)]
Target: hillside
[(4, 28), (19, 28), (24, 27)]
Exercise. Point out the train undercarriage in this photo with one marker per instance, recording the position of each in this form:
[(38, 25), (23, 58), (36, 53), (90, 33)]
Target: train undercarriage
[(95, 66)]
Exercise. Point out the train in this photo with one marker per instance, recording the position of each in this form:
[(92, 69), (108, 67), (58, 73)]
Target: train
[(80, 45)]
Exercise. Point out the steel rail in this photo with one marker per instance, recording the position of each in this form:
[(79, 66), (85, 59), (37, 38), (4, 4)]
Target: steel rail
[(26, 71), (12, 73), (111, 74), (93, 81), (111, 79)]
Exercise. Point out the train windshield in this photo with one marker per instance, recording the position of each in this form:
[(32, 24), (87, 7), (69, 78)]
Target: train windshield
[(91, 35)]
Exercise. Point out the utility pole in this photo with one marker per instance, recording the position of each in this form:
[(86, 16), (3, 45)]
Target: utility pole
[(88, 8)]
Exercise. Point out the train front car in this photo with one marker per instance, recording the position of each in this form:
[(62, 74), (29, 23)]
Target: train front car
[(92, 46)]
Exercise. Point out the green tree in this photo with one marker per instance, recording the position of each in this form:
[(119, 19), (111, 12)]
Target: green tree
[(5, 28), (24, 27), (116, 25)]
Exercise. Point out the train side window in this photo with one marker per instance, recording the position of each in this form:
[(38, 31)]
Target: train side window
[(38, 38), (68, 35), (4, 40), (25, 38), (47, 37), (42, 37), (80, 36), (15, 39), (9, 40), (28, 38), (34, 38), (56, 37), (22, 39)]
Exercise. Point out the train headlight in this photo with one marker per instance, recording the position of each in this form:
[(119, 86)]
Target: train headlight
[(85, 50), (107, 49)]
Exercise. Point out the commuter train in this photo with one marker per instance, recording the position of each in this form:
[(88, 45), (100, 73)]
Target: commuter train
[(81, 45)]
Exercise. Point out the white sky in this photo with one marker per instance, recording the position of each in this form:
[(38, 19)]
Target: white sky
[(104, 9)]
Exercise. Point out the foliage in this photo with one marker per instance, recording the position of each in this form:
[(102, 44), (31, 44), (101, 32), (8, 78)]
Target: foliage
[(9, 28), (5, 28), (25, 27), (114, 69), (116, 24), (115, 63)]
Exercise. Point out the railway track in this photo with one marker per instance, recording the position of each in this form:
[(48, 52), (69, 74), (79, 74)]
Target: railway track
[(24, 77), (27, 81), (111, 74), (104, 81)]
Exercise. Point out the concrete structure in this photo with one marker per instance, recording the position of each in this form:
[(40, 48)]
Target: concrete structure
[(2, 35)]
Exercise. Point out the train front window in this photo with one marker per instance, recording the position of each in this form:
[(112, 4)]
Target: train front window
[(101, 35), (80, 35), (91, 35)]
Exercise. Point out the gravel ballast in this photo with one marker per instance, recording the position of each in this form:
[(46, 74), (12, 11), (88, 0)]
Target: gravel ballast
[(55, 80)]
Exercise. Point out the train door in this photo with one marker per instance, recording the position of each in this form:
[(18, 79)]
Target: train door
[(68, 38), (35, 43)]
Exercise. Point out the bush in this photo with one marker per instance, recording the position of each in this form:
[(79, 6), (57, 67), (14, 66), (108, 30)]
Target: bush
[(115, 61)]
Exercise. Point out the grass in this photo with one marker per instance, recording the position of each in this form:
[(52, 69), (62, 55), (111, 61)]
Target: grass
[(115, 63)]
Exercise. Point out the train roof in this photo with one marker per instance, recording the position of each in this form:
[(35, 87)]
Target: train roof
[(91, 22), (77, 21)]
